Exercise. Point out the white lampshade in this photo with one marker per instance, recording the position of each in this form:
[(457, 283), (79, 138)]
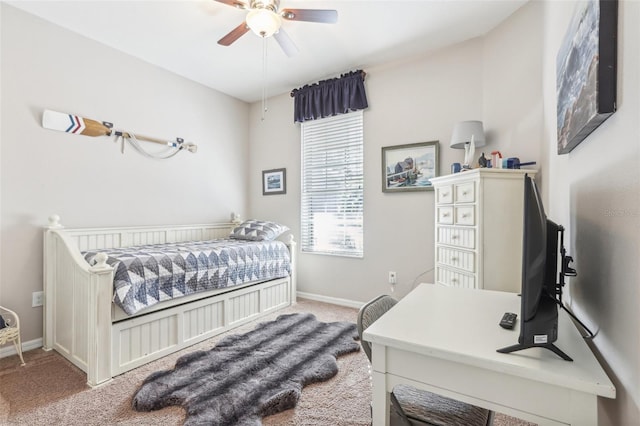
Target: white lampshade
[(463, 131), (263, 22)]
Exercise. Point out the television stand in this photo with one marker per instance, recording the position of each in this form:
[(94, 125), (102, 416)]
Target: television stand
[(553, 348)]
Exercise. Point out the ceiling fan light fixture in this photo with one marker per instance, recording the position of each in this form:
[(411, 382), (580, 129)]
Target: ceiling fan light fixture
[(263, 22)]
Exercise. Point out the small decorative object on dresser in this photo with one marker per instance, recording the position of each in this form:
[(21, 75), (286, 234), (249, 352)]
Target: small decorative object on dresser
[(482, 161), (274, 181), (479, 229)]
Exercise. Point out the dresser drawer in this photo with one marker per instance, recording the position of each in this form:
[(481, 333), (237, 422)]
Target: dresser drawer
[(464, 260), (459, 237), (465, 192), (465, 215), (444, 194), (445, 215), (455, 279)]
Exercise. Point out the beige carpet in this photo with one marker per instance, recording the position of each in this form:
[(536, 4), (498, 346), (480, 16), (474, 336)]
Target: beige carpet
[(49, 390)]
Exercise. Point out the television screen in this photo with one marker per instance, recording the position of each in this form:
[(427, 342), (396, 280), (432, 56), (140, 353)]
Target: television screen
[(539, 309), (534, 250)]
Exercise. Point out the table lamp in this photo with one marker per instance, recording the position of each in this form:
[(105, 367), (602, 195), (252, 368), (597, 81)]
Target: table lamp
[(468, 135)]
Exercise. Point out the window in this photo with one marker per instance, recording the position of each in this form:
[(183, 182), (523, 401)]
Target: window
[(332, 185)]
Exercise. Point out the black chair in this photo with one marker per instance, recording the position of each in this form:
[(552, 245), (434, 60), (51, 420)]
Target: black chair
[(411, 406)]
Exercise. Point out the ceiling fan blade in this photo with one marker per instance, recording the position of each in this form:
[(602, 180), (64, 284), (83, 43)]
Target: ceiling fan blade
[(311, 15), (235, 3), (234, 34), (285, 42)]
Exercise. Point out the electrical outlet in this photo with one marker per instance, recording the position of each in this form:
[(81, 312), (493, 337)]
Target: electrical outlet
[(392, 277), (37, 299)]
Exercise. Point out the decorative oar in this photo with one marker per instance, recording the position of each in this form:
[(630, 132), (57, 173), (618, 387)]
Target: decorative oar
[(85, 126)]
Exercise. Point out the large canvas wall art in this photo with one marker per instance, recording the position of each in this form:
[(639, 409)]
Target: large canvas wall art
[(586, 72)]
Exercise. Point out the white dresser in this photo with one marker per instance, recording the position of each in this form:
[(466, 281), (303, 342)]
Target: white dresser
[(479, 215)]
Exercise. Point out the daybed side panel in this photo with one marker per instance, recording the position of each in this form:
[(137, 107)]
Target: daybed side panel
[(253, 302), (103, 238), (276, 296), (66, 298), (86, 242), (243, 306), (148, 237), (70, 310), (203, 319), (143, 339), (201, 234)]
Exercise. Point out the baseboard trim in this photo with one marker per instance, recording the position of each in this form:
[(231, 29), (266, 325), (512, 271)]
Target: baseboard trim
[(26, 346), (333, 300)]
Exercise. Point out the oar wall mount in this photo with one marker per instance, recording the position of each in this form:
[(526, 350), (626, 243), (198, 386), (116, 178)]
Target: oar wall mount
[(85, 126)]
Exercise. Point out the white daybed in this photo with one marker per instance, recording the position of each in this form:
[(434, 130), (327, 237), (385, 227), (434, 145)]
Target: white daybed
[(83, 324)]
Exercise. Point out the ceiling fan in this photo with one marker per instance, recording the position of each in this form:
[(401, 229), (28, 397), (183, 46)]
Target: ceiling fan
[(265, 20)]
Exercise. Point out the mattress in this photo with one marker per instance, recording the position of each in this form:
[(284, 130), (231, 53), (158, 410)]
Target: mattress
[(148, 274)]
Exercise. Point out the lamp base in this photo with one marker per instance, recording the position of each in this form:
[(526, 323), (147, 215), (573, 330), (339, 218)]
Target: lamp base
[(469, 152)]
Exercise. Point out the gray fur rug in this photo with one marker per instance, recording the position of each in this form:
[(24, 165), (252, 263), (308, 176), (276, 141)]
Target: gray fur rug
[(246, 377)]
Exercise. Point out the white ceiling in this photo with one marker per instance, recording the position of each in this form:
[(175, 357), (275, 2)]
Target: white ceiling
[(181, 36)]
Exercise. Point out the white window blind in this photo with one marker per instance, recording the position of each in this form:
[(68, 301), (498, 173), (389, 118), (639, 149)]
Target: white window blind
[(332, 185)]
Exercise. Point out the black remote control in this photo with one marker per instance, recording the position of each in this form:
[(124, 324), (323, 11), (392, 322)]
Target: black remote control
[(508, 320)]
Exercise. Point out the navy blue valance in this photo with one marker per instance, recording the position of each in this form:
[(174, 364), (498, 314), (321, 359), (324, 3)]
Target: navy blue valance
[(330, 97)]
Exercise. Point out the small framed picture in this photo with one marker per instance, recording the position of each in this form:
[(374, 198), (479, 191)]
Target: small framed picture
[(274, 181), (409, 167)]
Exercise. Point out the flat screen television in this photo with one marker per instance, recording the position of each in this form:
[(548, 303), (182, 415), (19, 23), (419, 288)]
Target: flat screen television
[(539, 296)]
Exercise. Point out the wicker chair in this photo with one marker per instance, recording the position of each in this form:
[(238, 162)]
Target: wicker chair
[(411, 406), (11, 332)]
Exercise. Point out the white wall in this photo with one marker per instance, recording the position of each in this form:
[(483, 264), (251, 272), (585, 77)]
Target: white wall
[(86, 180), (595, 193), (410, 102), (414, 101), (512, 85)]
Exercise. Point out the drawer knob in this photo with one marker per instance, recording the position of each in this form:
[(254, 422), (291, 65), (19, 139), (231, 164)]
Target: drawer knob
[(454, 237), (465, 192), (465, 215), (446, 214), (454, 280), (454, 259)]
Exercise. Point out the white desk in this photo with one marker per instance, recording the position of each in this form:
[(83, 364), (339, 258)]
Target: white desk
[(444, 340)]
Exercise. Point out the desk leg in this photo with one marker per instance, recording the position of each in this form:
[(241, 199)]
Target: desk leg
[(583, 409), (380, 400), (380, 397)]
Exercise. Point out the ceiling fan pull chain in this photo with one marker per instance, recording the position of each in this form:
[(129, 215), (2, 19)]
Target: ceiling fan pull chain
[(264, 77)]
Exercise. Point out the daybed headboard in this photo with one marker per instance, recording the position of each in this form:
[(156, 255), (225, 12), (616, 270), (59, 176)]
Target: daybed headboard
[(102, 238)]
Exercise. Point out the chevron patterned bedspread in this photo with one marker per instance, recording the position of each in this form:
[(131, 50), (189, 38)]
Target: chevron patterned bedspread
[(146, 275)]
